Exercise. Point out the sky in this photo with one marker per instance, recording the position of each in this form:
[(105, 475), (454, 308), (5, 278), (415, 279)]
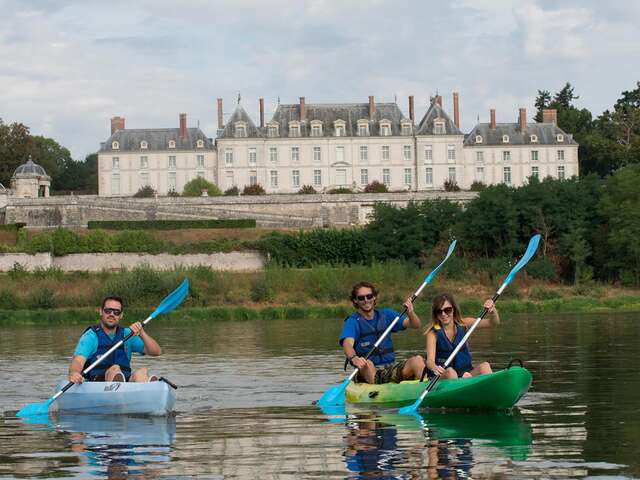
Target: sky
[(67, 67)]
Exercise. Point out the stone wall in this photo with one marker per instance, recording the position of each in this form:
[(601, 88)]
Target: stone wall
[(268, 210)]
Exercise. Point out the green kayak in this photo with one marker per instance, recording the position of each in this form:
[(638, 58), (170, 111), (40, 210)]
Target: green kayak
[(496, 391)]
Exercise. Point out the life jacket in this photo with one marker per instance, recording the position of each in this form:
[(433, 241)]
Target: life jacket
[(444, 347), (117, 357), (370, 332)]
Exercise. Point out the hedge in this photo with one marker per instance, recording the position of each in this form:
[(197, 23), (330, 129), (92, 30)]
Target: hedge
[(13, 226), (171, 224)]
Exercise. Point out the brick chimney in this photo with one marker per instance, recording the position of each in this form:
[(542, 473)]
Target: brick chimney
[(183, 125), (549, 115), (303, 110), (220, 120), (117, 123), (372, 107), (411, 110), (438, 99), (522, 119), (456, 110), (261, 112), (492, 123)]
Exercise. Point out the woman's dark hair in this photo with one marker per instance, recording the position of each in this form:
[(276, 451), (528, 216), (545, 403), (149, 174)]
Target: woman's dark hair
[(358, 286), (113, 297)]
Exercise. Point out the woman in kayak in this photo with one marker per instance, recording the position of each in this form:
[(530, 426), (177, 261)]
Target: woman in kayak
[(446, 332)]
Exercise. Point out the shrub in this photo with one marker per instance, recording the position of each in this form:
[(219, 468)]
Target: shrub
[(340, 190), (17, 271), (172, 224), (261, 290), (538, 293), (136, 241), (306, 190), (145, 192), (194, 188), (173, 193), (8, 300), (232, 192), (376, 187), (451, 186), (254, 190), (43, 297), (477, 186), (543, 269)]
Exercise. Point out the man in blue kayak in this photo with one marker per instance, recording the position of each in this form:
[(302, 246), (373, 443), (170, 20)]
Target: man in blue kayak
[(98, 339), (365, 326)]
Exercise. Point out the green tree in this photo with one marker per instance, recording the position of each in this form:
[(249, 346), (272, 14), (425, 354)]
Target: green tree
[(15, 148), (195, 187)]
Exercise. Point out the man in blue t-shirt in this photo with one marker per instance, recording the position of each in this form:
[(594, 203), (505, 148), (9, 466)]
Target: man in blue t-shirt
[(362, 330), (98, 339)]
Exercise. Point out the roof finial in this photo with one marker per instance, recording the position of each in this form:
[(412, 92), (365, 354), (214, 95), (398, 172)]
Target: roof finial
[(278, 99), (395, 98), (239, 98)]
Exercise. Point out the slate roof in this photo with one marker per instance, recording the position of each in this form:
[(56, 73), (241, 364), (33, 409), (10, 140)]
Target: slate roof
[(29, 169), (157, 139), (435, 111), (240, 115), (546, 133)]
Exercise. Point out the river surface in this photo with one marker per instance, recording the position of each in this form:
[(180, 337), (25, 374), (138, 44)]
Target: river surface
[(245, 408)]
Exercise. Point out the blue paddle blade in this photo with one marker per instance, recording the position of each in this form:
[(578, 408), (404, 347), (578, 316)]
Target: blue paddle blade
[(531, 250), (410, 410), (172, 300), (433, 273), (35, 409), (334, 396)]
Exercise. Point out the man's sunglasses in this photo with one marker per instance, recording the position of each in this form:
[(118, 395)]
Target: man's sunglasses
[(446, 311), (112, 311), (368, 296)]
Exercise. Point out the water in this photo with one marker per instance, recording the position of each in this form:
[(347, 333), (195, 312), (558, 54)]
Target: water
[(244, 407)]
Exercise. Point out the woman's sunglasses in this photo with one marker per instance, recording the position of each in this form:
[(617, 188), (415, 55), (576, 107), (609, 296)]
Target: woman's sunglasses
[(368, 296), (446, 311)]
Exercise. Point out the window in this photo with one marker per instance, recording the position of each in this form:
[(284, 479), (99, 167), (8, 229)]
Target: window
[(115, 145), (200, 144), (385, 152), (560, 138), (386, 176), (560, 155), (364, 153), (144, 145), (294, 129), (115, 184), (406, 129), (478, 138), (506, 156), (317, 178), (229, 180), (228, 157), (452, 174), (341, 176), (295, 178), (408, 177), (273, 154), (506, 175), (561, 172), (144, 179), (252, 156), (253, 177), (144, 162), (316, 129), (438, 128), (339, 153), (273, 178), (534, 155), (535, 172), (505, 138), (172, 144), (385, 129), (199, 161), (428, 154), (480, 174), (451, 153), (339, 128), (533, 138), (406, 152), (364, 176), (171, 181), (272, 131), (115, 163), (241, 130), (480, 157), (363, 129), (317, 154), (428, 178), (172, 162), (295, 154)]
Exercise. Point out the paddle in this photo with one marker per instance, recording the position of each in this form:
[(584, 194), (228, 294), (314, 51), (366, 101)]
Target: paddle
[(531, 250), (170, 302), (334, 396)]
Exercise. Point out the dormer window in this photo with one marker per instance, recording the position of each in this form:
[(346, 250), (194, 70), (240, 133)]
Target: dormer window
[(172, 144), (478, 138), (199, 144), (144, 145), (272, 130), (316, 128), (385, 128), (438, 127), (363, 128), (406, 128), (533, 138), (505, 138), (294, 129), (559, 138), (240, 130), (339, 128), (115, 145)]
